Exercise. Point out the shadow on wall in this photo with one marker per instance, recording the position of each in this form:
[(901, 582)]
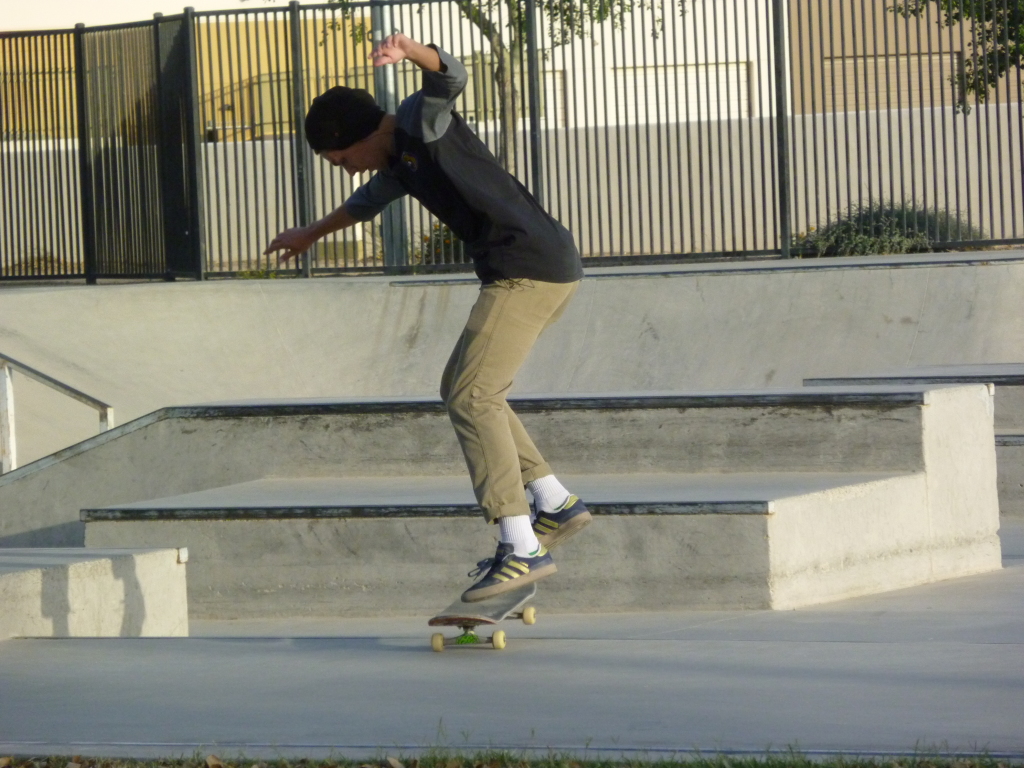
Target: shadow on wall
[(96, 597), (133, 616), (63, 535), (55, 600)]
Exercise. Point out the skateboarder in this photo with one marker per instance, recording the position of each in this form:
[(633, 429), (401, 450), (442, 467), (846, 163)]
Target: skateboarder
[(528, 265)]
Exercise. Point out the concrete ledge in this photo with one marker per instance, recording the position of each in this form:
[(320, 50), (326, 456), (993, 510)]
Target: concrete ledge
[(659, 542), (1008, 380), (404, 497), (189, 449), (93, 593)]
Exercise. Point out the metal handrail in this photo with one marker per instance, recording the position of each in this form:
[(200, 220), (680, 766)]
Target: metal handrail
[(8, 444)]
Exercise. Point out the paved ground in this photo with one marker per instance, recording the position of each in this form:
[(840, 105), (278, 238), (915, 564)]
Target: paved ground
[(940, 666)]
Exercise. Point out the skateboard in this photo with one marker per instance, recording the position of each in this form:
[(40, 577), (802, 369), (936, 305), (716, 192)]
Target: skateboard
[(469, 616)]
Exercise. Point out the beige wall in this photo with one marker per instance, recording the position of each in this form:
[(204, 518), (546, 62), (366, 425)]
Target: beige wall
[(848, 56)]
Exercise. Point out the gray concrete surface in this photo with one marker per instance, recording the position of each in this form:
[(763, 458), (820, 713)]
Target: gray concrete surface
[(93, 593), (933, 667), (744, 325)]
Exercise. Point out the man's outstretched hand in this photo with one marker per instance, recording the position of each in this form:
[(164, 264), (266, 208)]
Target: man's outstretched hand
[(391, 50), (397, 47), (292, 241)]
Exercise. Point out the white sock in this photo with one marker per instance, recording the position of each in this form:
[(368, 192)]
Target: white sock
[(518, 531), (548, 493)]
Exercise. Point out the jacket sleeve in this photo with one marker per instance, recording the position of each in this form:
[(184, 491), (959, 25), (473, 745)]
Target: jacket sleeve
[(374, 196), (439, 92)]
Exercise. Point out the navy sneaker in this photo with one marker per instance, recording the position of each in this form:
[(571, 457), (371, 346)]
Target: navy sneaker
[(507, 571), (552, 528)]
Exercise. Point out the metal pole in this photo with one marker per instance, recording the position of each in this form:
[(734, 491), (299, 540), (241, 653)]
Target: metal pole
[(162, 126), (106, 418), (385, 82), (533, 75), (781, 52), (85, 159), (8, 448), (192, 128), (300, 152)]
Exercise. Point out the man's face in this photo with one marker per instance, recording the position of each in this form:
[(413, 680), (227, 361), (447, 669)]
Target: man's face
[(365, 155)]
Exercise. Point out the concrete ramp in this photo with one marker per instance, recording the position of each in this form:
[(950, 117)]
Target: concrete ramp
[(93, 593)]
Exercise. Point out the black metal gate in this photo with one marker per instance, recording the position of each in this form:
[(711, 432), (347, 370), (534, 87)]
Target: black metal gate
[(140, 201)]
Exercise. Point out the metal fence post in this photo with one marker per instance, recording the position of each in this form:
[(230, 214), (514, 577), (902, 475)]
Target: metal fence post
[(192, 159), (161, 125), (300, 153), (782, 74), (8, 449), (85, 159), (385, 82), (533, 88)]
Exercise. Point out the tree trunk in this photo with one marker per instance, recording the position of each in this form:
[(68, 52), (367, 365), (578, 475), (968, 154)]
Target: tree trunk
[(508, 106)]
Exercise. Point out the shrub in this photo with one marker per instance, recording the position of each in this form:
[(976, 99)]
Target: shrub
[(887, 228), (441, 246)]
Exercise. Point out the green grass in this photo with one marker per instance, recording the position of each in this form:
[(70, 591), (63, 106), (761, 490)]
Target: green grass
[(448, 759)]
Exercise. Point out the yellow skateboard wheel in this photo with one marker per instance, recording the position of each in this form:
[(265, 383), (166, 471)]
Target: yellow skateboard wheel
[(437, 642), (529, 615), (498, 640)]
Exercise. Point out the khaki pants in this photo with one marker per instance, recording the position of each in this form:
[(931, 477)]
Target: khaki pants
[(503, 326)]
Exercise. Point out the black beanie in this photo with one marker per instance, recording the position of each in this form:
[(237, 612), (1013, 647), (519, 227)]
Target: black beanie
[(340, 117)]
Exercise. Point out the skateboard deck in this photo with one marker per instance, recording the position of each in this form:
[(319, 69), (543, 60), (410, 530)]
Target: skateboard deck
[(469, 616)]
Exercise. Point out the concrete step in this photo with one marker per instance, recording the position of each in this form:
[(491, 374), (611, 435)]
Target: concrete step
[(186, 449), (392, 546), (93, 593), (932, 514), (452, 496), (1008, 380)]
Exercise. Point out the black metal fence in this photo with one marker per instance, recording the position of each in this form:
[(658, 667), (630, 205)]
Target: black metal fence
[(652, 130)]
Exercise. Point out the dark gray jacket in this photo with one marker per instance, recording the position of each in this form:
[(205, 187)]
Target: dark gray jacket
[(443, 164)]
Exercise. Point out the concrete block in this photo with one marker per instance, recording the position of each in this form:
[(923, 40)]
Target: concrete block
[(92, 593), (374, 546), (1008, 382)]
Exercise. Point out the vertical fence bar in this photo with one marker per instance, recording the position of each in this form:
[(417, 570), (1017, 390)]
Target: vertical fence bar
[(393, 226), (191, 126), (303, 204), (781, 49), (533, 87), (85, 158)]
